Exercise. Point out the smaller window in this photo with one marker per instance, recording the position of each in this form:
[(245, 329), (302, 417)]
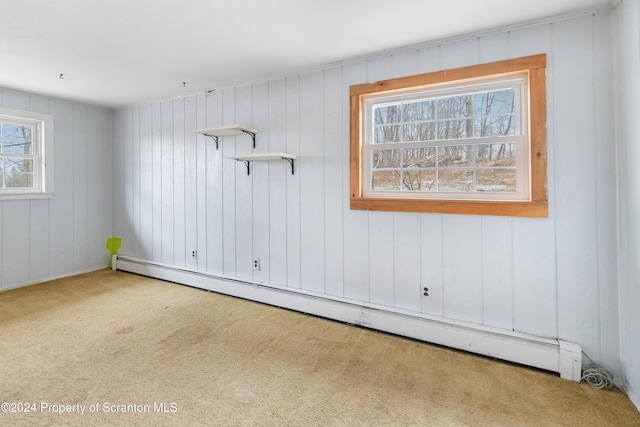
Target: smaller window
[(26, 154)]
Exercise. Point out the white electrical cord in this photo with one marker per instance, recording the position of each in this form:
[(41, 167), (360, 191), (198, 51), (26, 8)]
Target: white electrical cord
[(598, 377)]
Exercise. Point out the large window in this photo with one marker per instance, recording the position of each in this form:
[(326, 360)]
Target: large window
[(469, 140), (26, 154)]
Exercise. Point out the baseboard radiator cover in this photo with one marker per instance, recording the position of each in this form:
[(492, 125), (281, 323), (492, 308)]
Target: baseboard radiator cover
[(553, 355)]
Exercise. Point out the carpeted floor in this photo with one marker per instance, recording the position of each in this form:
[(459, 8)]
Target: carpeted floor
[(129, 350)]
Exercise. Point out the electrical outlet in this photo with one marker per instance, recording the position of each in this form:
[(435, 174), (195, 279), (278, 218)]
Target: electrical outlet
[(194, 253), (256, 264)]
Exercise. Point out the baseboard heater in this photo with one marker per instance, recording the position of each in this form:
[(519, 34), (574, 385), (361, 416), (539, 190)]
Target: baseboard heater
[(553, 355)]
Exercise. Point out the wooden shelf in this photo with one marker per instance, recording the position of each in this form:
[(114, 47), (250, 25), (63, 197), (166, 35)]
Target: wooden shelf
[(261, 157), (215, 133)]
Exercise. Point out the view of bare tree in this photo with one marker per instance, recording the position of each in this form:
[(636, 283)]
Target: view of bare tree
[(434, 162), (16, 144)]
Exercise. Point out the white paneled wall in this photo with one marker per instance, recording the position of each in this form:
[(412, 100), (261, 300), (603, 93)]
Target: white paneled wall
[(66, 234), (627, 24), (175, 193)]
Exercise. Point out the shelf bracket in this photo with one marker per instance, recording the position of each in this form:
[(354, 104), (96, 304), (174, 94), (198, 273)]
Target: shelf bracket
[(246, 162), (253, 136), (215, 138), (291, 161)]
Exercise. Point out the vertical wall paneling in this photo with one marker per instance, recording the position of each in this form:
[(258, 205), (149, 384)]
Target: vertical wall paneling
[(431, 266), (462, 267), (534, 249), (15, 248), (179, 170), (293, 230), (497, 272), (156, 182), (39, 218), (201, 182), (16, 231), (244, 188), (39, 241), (493, 47), (167, 182), (42, 239), (99, 186), (627, 31), (137, 154), (575, 186), (278, 180), (552, 277), (312, 218), (214, 188), (15, 99), (261, 199), (429, 59), (227, 147), (61, 255), (128, 236), (334, 181), (497, 236), (80, 187), (190, 181), (2, 281), (605, 179), (407, 246), (407, 249), (460, 54), (146, 181), (356, 223), (462, 234), (534, 270), (381, 231)]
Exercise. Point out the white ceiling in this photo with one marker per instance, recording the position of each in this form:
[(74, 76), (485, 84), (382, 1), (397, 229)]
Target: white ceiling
[(120, 52)]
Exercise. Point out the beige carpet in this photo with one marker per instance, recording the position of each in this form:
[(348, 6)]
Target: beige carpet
[(111, 341)]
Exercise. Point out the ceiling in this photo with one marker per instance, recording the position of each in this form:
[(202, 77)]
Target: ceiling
[(120, 52)]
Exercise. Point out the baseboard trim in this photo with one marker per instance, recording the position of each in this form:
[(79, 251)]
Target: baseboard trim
[(635, 399), (543, 353), (49, 279)]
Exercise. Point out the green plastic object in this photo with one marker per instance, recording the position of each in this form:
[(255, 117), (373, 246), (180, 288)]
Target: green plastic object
[(113, 244)]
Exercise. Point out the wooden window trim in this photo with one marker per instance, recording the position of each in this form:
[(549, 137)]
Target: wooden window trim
[(536, 207)]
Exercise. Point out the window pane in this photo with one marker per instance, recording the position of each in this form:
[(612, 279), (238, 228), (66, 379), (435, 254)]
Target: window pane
[(495, 102), (16, 146), (383, 134), (15, 165), (455, 180), (18, 173), (455, 129), (419, 132), (385, 115), (417, 180), (496, 180), (13, 131), (455, 107), (386, 180), (24, 180), (385, 159), (495, 125), (419, 111), (419, 157), (455, 156), (496, 155)]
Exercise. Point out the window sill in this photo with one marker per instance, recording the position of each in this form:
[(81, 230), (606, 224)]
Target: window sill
[(25, 196), (470, 207)]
